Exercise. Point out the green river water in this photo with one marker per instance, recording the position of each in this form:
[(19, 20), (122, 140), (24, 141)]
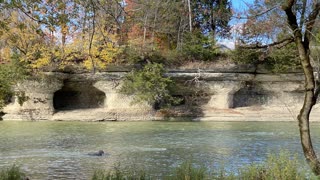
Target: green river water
[(59, 150)]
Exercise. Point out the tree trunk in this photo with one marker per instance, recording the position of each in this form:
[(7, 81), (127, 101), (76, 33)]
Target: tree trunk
[(311, 92), (190, 16), (144, 31), (309, 101)]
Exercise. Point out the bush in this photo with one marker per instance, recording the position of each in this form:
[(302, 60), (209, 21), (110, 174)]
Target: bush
[(275, 167), (199, 47), (246, 56), (283, 59), (149, 85), (10, 74), (12, 173), (275, 59)]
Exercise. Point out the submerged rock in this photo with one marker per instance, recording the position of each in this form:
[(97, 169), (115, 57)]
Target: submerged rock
[(99, 153)]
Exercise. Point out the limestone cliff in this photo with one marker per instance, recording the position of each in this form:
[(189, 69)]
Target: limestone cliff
[(238, 94)]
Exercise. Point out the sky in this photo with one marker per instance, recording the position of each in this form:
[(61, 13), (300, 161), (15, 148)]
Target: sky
[(237, 5), (240, 4)]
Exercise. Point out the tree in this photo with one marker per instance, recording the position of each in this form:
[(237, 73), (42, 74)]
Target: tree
[(300, 16), (60, 32), (212, 16)]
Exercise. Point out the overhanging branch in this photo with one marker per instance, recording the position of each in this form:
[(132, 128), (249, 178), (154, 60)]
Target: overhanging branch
[(278, 44), (258, 14)]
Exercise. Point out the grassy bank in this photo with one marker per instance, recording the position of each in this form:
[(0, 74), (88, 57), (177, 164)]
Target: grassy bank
[(12, 173), (282, 166)]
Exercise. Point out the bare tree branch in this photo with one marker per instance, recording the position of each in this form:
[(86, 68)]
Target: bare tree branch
[(29, 15), (310, 22), (278, 44), (259, 14)]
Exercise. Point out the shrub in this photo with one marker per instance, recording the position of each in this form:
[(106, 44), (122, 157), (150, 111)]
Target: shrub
[(275, 59), (136, 55), (12, 173), (283, 59), (9, 74), (275, 167), (246, 56), (199, 47), (149, 85)]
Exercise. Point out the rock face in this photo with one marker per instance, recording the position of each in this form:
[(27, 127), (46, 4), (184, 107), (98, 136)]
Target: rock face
[(241, 96)]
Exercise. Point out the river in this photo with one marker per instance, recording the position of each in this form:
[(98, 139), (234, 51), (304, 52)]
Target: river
[(59, 150)]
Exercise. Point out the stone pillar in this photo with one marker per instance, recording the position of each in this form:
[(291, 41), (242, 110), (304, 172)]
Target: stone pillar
[(120, 106), (38, 100), (222, 93)]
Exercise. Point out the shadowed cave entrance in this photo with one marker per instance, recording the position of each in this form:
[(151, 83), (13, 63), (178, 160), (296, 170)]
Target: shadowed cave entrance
[(252, 95), (78, 95)]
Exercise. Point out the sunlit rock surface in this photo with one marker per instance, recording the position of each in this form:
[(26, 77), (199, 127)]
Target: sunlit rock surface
[(226, 94)]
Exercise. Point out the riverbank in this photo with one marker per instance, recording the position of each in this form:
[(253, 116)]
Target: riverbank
[(281, 166)]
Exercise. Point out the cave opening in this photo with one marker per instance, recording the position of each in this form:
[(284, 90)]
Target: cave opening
[(252, 95), (78, 95)]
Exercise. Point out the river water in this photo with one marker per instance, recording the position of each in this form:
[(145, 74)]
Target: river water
[(59, 150)]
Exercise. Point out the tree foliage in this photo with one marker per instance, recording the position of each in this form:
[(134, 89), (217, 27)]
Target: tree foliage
[(150, 85), (59, 33), (90, 34), (10, 74), (212, 16)]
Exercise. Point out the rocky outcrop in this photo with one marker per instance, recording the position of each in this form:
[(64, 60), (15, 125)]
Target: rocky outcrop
[(38, 104), (225, 95)]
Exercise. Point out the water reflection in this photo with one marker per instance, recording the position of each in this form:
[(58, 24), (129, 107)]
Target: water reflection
[(58, 150)]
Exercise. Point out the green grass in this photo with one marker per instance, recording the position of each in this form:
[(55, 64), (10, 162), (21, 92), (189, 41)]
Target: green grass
[(278, 167), (118, 174), (12, 173)]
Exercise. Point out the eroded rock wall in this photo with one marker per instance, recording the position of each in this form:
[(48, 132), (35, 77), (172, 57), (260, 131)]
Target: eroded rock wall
[(223, 96)]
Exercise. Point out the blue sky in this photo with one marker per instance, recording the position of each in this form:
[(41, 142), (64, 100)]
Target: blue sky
[(240, 4), (237, 5)]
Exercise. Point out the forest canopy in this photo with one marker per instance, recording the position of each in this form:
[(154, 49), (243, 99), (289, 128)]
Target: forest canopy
[(90, 34)]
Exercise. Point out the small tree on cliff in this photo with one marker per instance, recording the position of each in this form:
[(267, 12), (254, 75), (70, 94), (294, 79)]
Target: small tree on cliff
[(284, 22)]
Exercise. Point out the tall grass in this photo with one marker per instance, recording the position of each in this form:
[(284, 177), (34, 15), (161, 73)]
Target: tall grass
[(275, 167), (117, 174), (12, 173), (187, 172), (278, 167)]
